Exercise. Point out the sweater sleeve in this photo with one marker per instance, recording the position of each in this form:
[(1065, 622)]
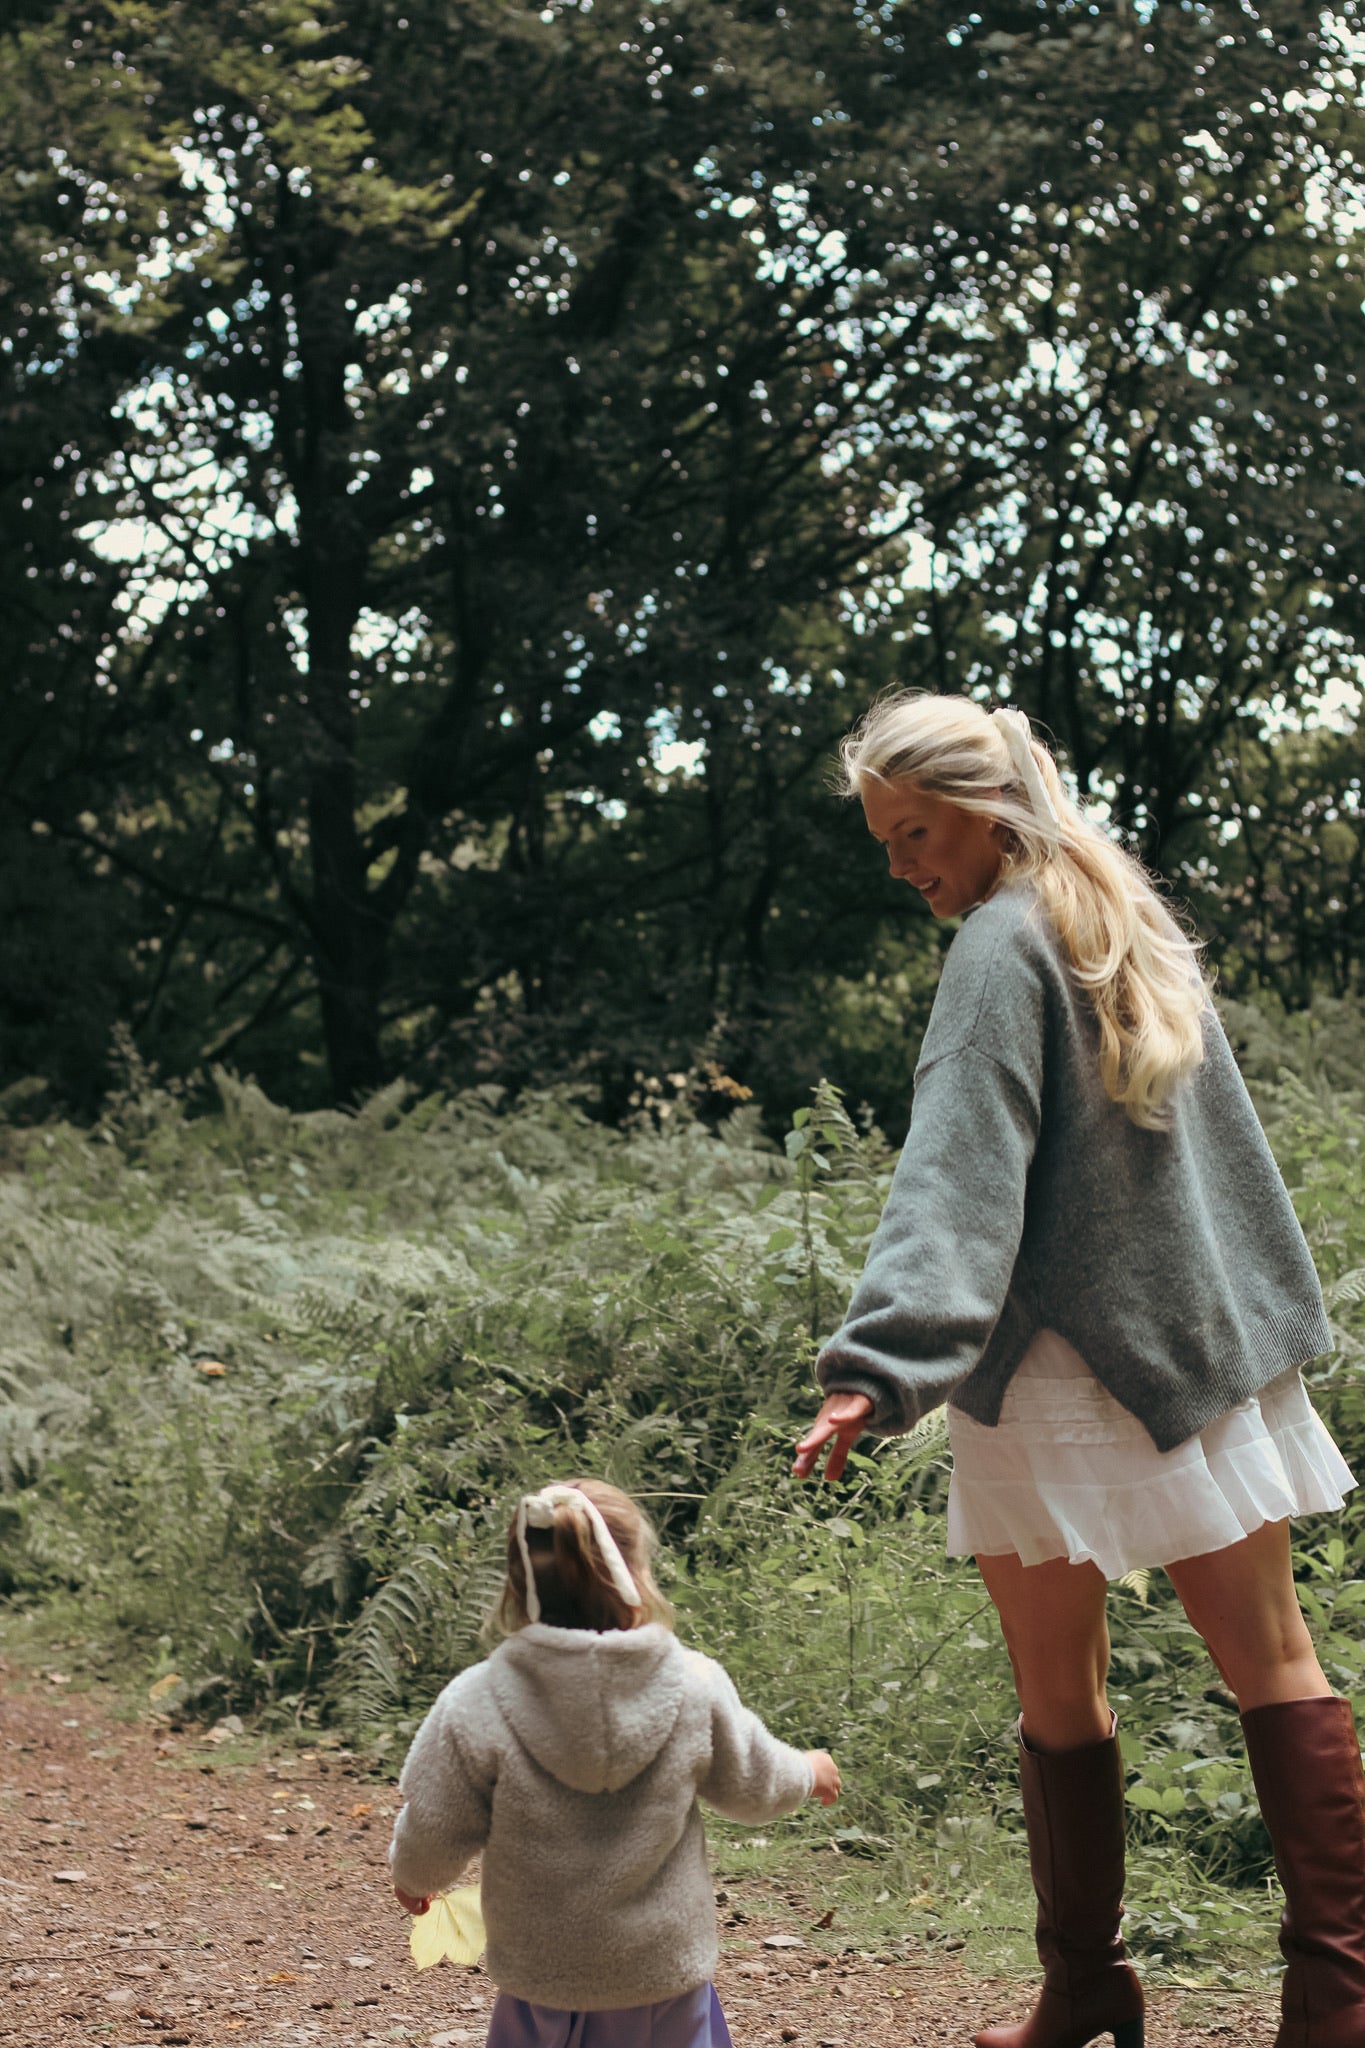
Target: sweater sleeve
[(751, 1776), (447, 1791), (944, 1253)]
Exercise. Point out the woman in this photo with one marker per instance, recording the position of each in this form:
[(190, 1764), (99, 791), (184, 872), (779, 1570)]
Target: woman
[(1088, 1252)]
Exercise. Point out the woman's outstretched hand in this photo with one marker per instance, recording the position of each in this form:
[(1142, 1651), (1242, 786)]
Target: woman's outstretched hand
[(841, 1421)]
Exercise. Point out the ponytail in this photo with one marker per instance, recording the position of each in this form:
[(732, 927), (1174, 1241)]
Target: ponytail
[(579, 1556)]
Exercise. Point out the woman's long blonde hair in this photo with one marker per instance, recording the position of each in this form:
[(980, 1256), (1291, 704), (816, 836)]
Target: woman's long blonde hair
[(1140, 970)]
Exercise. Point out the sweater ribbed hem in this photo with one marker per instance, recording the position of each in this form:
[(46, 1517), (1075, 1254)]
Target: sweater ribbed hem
[(1283, 1338), (609, 1990), (1291, 1336)]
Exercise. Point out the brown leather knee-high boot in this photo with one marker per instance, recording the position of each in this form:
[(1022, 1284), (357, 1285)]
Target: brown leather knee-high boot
[(1305, 1760), (1073, 1811)]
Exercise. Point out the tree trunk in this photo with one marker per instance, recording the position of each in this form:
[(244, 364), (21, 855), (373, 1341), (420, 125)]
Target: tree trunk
[(350, 943)]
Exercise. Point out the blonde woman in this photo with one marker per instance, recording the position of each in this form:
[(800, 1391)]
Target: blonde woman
[(1089, 1254)]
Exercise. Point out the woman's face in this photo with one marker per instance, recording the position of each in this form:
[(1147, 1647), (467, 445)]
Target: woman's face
[(951, 856)]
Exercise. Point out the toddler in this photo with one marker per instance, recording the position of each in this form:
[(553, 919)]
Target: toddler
[(573, 1758)]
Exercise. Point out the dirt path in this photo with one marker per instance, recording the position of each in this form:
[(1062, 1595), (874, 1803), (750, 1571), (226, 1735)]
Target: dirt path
[(153, 1890)]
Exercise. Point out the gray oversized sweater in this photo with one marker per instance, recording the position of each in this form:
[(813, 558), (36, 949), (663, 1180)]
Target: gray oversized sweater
[(1025, 1199), (574, 1761)]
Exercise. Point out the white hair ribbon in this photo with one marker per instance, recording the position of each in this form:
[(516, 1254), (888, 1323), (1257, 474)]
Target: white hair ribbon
[(537, 1511), (1017, 734)]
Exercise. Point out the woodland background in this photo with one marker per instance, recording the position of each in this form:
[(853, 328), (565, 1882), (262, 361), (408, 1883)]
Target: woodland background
[(463, 467)]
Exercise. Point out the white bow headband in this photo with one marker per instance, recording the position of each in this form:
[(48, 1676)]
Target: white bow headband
[(1017, 734), (537, 1511)]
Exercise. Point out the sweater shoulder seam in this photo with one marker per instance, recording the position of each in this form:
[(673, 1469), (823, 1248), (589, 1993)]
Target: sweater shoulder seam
[(984, 972), (959, 1052), (985, 975)]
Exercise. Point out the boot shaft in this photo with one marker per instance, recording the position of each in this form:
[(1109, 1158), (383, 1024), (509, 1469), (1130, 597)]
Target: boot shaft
[(1305, 1761), (1074, 1815), (1073, 1812)]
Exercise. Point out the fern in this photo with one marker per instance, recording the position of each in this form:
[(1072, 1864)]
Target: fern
[(465, 1622), (1348, 1288), (376, 1662)]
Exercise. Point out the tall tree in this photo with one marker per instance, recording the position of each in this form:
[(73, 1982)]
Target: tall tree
[(472, 341), (503, 390), (68, 938), (1160, 395)]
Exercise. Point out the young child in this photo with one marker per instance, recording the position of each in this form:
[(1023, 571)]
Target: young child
[(574, 1758)]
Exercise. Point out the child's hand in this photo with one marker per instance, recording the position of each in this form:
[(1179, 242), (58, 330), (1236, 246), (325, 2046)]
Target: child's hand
[(410, 1904), (839, 1424), (826, 1786)]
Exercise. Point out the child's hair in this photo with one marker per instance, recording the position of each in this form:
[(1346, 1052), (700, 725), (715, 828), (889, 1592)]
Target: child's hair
[(573, 1584), (1140, 970)]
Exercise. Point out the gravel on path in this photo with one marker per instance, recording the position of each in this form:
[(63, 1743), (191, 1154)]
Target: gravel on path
[(158, 1892)]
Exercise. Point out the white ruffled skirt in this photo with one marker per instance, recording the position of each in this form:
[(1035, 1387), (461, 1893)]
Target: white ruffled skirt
[(1068, 1472)]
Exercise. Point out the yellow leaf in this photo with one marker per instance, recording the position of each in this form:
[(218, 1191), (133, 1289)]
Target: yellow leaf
[(211, 1368), (164, 1685), (451, 1926)]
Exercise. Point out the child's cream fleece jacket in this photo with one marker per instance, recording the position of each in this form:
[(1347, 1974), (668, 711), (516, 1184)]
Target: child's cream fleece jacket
[(574, 1761)]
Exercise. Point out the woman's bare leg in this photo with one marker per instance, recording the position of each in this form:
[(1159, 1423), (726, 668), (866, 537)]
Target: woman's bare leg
[(1053, 1621), (1243, 1602)]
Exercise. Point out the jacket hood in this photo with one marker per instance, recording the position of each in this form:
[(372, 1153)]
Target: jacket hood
[(592, 1710)]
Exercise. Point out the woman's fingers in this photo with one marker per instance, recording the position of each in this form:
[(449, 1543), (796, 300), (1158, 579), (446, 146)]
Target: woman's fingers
[(840, 1423), (808, 1450), (826, 1429), (838, 1458), (838, 1453)]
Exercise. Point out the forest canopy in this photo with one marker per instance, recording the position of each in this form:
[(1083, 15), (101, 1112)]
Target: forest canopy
[(466, 464)]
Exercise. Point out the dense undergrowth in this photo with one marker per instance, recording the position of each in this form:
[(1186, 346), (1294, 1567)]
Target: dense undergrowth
[(269, 1383)]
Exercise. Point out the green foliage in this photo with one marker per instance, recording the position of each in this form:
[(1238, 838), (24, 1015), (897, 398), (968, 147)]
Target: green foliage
[(1314, 1112), (417, 1311), (421, 419), (1276, 878)]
